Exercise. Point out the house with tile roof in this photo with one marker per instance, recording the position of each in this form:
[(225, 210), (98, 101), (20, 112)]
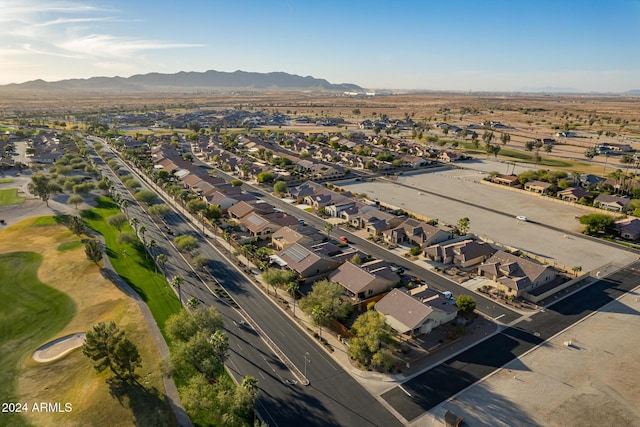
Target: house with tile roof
[(573, 194), (416, 312), (366, 280), (310, 265), (416, 232), (611, 202), (629, 228), (287, 236), (465, 253), (515, 275)]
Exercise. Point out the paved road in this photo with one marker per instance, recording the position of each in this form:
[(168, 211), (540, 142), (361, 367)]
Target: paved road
[(459, 372), (333, 398)]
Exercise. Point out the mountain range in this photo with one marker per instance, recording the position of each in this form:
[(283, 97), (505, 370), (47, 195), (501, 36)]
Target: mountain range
[(187, 81)]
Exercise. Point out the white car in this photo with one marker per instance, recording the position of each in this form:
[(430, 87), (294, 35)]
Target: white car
[(521, 218)]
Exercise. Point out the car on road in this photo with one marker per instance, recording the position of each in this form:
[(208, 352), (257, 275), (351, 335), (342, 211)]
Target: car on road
[(344, 239), (396, 269), (522, 218)]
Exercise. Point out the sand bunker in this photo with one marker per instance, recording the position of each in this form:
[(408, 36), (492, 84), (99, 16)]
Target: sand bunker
[(56, 349)]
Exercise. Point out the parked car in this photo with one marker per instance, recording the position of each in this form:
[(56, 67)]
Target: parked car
[(521, 218)]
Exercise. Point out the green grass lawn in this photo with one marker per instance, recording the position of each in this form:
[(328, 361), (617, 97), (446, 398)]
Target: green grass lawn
[(9, 196), (6, 180), (37, 313), (68, 246), (131, 263)]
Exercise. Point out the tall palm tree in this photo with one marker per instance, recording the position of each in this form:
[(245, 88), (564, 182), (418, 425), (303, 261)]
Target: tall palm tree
[(142, 230), (250, 384), (293, 287), (152, 244), (328, 228), (177, 282), (134, 223), (162, 260), (123, 205)]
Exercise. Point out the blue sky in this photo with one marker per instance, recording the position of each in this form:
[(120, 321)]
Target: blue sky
[(507, 45)]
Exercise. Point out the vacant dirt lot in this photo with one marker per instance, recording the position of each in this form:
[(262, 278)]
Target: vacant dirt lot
[(590, 383), (463, 188)]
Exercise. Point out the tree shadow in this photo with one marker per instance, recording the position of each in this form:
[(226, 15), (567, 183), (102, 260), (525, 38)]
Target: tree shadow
[(89, 214), (148, 406)]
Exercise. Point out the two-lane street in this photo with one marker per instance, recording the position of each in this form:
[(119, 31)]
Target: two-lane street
[(332, 398)]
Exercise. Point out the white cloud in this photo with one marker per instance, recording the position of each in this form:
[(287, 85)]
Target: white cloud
[(107, 46), (34, 30)]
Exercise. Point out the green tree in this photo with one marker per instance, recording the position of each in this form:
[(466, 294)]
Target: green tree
[(193, 303), (117, 220), (200, 261), (177, 283), (76, 225), (236, 183), (415, 251), (597, 224), (196, 206), (383, 360), (529, 145), (265, 177), (127, 238), (147, 197), (93, 250), (186, 242), (159, 211), (277, 278), (328, 228), (74, 199), (372, 329), (280, 188), (134, 223), (108, 347), (40, 187), (198, 341), (325, 303), (161, 260), (292, 288), (466, 304), (212, 212), (463, 225)]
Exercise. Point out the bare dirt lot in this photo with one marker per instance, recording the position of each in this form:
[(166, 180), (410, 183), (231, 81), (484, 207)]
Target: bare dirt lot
[(587, 383), (550, 245)]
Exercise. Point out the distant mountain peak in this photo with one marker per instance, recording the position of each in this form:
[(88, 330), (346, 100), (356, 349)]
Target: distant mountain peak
[(190, 80)]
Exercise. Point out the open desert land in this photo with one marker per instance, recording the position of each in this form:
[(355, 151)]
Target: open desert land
[(54, 291), (593, 118), (581, 377)]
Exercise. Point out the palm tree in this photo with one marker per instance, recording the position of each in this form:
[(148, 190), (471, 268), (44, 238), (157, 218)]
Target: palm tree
[(134, 223), (293, 287), (177, 282), (250, 384), (152, 244), (193, 303), (123, 205), (328, 228), (162, 260), (318, 315), (142, 230)]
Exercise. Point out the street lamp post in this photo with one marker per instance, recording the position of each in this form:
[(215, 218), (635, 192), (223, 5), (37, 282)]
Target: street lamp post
[(306, 354)]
